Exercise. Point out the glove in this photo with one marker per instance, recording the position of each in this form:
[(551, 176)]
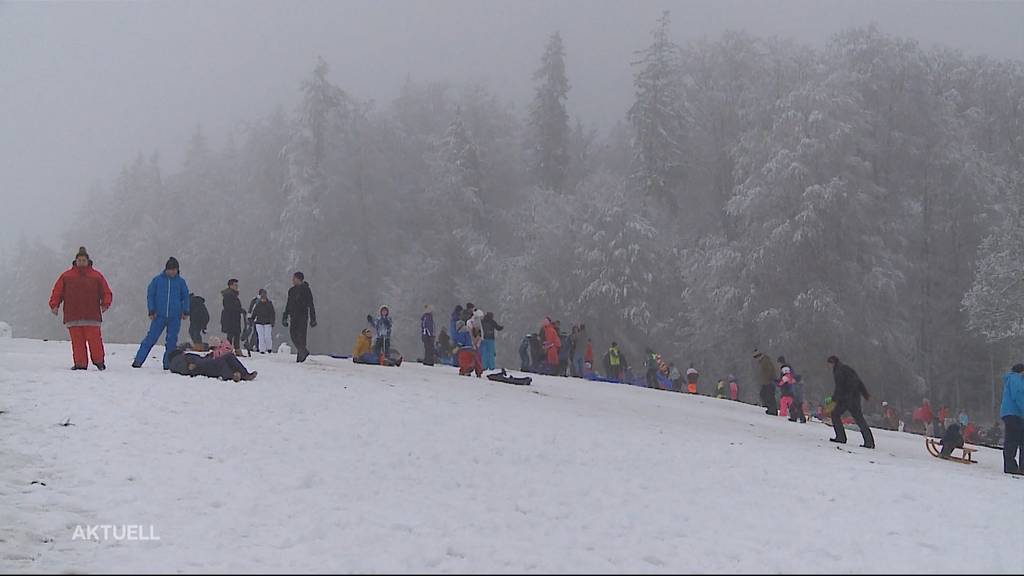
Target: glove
[(152, 315), (369, 319), (284, 323), (53, 311), (312, 323)]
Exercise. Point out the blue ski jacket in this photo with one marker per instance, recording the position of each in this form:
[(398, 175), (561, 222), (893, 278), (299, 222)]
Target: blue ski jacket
[(167, 297)]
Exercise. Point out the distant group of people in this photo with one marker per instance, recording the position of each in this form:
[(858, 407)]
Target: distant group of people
[(468, 342)]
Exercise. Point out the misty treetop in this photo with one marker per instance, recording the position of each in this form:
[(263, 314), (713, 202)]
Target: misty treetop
[(863, 200)]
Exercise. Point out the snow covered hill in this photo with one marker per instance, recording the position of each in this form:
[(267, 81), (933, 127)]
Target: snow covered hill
[(330, 466)]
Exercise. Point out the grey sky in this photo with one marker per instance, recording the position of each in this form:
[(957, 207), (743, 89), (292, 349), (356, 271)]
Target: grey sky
[(84, 86)]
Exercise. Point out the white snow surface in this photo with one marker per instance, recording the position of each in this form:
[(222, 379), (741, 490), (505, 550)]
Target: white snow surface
[(329, 466)]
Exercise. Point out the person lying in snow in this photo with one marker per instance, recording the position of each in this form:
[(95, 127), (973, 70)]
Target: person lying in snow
[(219, 363)]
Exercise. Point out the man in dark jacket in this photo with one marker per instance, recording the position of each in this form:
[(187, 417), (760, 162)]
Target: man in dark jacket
[(766, 377), (300, 309), (198, 319), (427, 334), (847, 394), (488, 350), (231, 315)]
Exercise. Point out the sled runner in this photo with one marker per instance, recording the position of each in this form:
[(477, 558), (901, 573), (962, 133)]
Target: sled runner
[(504, 377), (933, 448)]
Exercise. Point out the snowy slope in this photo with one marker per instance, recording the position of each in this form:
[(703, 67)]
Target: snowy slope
[(330, 466)]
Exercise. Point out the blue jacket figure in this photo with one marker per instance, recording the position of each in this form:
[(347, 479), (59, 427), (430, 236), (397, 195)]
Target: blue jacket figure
[(167, 301), (1012, 412), (382, 324)]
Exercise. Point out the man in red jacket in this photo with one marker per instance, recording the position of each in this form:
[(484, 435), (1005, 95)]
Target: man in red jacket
[(86, 295)]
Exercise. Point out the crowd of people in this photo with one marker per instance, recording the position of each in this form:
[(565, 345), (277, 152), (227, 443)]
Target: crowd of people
[(469, 342)]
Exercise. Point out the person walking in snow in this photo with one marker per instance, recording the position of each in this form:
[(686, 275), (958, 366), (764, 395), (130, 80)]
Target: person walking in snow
[(766, 374), (300, 309), (488, 349), (382, 326), (263, 316), (427, 334), (168, 304), (85, 295), (198, 320), (847, 394), (231, 315), (1011, 412)]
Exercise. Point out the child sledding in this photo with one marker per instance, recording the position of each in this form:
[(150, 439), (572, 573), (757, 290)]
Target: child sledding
[(364, 352)]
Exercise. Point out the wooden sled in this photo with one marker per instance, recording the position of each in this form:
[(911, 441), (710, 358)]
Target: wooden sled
[(966, 453)]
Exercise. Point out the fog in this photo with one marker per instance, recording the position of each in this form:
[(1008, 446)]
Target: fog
[(84, 86), (690, 179)]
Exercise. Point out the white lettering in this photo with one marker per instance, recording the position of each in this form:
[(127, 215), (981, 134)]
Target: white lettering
[(79, 533)]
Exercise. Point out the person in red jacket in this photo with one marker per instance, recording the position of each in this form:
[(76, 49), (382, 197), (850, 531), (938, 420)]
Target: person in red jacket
[(85, 295), (552, 343)]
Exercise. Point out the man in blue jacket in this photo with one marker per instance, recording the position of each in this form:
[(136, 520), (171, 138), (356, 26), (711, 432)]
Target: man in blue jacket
[(1012, 412), (168, 304)]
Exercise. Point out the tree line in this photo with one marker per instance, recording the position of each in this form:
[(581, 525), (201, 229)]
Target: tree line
[(863, 199)]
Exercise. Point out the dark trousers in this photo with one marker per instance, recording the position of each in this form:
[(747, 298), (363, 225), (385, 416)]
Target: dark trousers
[(858, 416), (796, 411), (236, 339), (195, 332), (1013, 443), (297, 330), (382, 345), (768, 399), (428, 350)]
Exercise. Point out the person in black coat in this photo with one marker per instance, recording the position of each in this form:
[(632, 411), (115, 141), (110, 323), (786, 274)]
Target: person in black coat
[(231, 315), (226, 367), (300, 309), (263, 316), (199, 318), (847, 394), (427, 334)]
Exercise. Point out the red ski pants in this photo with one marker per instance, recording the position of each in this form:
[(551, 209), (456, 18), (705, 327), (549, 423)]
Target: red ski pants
[(82, 336), (469, 361)]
